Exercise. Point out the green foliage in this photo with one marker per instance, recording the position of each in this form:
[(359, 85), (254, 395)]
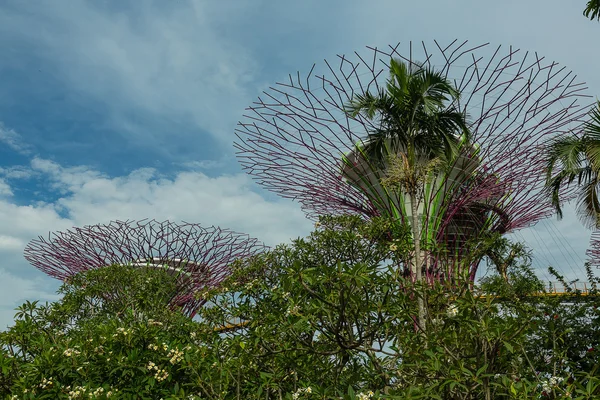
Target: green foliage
[(99, 341), (328, 317)]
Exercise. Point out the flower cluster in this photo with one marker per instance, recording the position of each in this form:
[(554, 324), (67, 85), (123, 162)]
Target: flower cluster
[(251, 284), (80, 391), (176, 356), (365, 396), (300, 392), (46, 383), (71, 352), (295, 310), (77, 392), (552, 382), (452, 311), (160, 374), (154, 323), (122, 331)]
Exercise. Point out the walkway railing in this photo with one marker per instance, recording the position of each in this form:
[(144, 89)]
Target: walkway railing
[(558, 289)]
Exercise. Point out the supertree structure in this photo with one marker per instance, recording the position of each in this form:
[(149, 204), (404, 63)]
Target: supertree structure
[(197, 257), (300, 141)]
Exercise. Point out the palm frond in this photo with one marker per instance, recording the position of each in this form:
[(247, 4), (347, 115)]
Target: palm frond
[(553, 186), (588, 206), (368, 104), (592, 128), (592, 138), (567, 153), (592, 9)]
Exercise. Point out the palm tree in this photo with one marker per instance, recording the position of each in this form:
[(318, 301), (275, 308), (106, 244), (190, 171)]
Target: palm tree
[(578, 159), (412, 120)]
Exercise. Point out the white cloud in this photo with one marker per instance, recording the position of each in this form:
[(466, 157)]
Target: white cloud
[(11, 243), (16, 172), (5, 190), (13, 140), (15, 290), (204, 164)]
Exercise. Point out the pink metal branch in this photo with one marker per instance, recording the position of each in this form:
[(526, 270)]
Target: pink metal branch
[(593, 252)]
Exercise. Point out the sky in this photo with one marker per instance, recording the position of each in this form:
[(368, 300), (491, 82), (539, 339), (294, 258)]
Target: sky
[(127, 109)]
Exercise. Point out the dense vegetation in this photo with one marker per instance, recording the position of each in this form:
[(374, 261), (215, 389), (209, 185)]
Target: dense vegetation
[(327, 317)]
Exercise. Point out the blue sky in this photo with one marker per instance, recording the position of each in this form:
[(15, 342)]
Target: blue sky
[(127, 110)]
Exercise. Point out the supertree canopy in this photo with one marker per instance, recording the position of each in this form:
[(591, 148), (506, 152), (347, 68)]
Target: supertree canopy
[(302, 141), (195, 256), (593, 252)]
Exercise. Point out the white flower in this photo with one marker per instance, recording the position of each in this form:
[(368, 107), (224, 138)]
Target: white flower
[(452, 311), (365, 396), (161, 375), (71, 352)]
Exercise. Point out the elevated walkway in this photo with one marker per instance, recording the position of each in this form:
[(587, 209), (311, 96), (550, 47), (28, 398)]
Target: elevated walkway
[(574, 289)]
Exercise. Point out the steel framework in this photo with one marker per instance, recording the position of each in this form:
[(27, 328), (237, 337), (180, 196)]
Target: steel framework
[(296, 140), (593, 252), (197, 257)]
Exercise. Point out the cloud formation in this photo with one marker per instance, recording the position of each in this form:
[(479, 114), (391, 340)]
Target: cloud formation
[(141, 65), (13, 140)]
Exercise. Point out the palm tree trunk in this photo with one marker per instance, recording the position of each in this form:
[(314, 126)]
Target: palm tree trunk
[(417, 262)]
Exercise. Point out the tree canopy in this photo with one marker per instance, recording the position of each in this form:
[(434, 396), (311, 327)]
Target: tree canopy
[(327, 317)]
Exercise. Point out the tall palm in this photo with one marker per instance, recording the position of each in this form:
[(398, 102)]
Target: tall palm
[(578, 159), (412, 117)]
